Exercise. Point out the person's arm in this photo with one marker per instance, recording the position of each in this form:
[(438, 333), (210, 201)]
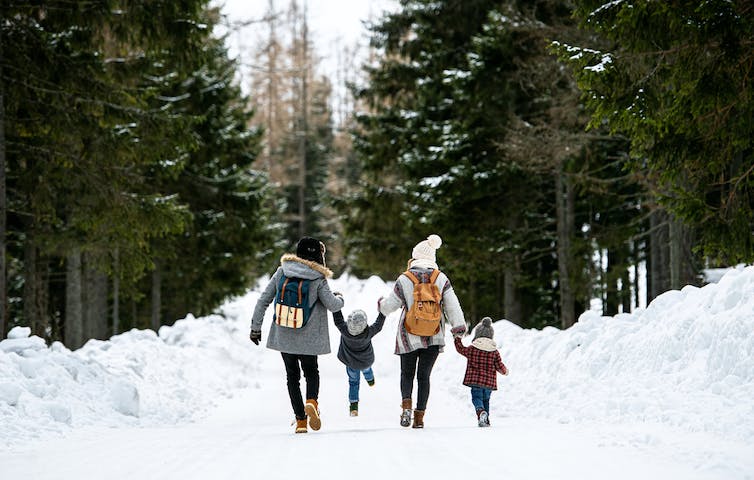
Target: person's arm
[(394, 301), (264, 301), (460, 348), (499, 365), (376, 327), (452, 310), (331, 301), (340, 324)]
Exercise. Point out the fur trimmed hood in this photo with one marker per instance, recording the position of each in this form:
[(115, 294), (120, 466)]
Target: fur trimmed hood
[(290, 257)]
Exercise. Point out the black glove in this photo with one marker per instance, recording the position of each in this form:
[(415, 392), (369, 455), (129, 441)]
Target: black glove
[(255, 336)]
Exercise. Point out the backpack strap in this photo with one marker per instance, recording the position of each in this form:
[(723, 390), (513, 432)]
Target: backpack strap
[(300, 284), (432, 278), (411, 277), (282, 289), (435, 274)]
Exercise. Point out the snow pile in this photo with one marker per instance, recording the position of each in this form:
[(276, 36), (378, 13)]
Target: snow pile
[(685, 361), (136, 378)]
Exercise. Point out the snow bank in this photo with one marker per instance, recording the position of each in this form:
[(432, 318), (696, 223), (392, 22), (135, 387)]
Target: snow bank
[(136, 378), (687, 361)]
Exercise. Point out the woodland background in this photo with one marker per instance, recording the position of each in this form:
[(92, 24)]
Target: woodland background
[(566, 152)]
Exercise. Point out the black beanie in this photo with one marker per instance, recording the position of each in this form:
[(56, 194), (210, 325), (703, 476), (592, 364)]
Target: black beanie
[(311, 249)]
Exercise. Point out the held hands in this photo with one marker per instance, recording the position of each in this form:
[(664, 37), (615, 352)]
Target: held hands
[(255, 336), (458, 331)]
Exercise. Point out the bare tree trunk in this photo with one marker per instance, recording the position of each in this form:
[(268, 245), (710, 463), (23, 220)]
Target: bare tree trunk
[(94, 299), (272, 98), (658, 255), (3, 204), (35, 290), (510, 294), (74, 319), (625, 288), (610, 307), (499, 289), (564, 205), (156, 319), (473, 316), (116, 293), (303, 125), (637, 257), (675, 239)]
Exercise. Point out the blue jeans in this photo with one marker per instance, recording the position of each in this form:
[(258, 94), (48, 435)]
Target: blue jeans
[(354, 379), (480, 397)]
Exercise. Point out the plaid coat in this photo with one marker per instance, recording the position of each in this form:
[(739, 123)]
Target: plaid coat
[(483, 363)]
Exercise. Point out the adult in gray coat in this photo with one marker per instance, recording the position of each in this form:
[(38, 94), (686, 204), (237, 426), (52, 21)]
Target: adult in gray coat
[(299, 347)]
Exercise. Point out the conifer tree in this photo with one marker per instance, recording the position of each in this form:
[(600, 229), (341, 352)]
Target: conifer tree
[(681, 92)]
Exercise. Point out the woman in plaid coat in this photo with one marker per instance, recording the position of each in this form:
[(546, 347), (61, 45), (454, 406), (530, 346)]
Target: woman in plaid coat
[(481, 369)]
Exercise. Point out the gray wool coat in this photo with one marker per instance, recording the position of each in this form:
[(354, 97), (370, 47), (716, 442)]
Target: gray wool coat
[(314, 337)]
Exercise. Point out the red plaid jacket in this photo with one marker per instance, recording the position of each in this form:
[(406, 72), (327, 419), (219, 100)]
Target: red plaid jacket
[(481, 367)]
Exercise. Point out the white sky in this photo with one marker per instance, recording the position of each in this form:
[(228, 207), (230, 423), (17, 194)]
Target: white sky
[(331, 23)]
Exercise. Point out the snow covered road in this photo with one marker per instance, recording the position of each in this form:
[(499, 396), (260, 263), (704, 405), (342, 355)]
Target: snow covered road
[(661, 394), (249, 436)]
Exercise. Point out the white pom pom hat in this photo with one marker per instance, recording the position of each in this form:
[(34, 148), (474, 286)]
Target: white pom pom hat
[(425, 250)]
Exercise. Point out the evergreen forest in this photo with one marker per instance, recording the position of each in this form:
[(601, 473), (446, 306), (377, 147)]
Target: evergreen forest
[(572, 154)]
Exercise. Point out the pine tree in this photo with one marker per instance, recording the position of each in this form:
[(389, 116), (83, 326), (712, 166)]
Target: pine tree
[(681, 92)]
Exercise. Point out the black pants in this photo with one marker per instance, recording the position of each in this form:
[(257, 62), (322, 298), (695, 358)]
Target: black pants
[(308, 363), (419, 363)]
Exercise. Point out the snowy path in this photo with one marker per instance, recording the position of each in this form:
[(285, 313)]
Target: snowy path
[(249, 436), (663, 394)]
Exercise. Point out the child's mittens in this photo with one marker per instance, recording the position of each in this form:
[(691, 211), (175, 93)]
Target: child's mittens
[(338, 294), (458, 331)]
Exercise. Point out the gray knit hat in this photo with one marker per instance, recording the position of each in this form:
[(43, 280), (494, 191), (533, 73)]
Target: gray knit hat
[(484, 329), (356, 322)]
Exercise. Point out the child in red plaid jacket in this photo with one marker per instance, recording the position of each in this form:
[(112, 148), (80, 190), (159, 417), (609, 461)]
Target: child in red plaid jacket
[(481, 369)]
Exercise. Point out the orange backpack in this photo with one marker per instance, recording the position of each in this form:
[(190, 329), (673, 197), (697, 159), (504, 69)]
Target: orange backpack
[(423, 318)]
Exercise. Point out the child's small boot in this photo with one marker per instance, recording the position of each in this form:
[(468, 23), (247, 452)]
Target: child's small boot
[(483, 417), (312, 412), (418, 419), (301, 426), (371, 382), (406, 412), (354, 409)]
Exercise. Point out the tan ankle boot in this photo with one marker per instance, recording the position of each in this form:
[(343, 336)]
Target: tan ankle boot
[(312, 412), (406, 412), (301, 426), (418, 419)]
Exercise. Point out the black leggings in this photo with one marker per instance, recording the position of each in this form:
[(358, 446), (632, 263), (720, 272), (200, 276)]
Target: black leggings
[(425, 358), (293, 374)]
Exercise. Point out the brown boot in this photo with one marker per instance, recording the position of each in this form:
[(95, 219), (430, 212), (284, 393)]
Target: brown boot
[(406, 412), (301, 426), (418, 419), (312, 411)]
